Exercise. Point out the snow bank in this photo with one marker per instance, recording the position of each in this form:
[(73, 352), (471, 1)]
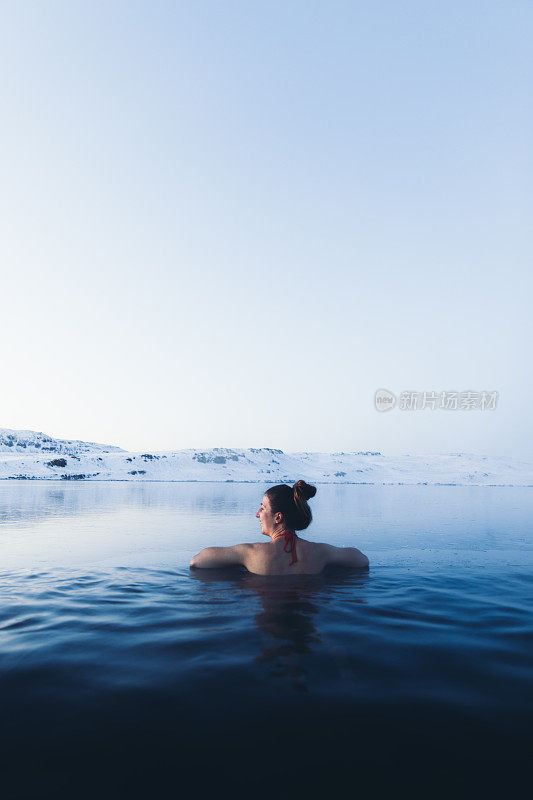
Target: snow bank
[(35, 456)]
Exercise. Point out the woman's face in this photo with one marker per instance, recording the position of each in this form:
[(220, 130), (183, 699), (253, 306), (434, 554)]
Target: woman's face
[(265, 516)]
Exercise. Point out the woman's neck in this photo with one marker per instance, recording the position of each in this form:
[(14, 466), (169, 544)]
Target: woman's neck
[(278, 534)]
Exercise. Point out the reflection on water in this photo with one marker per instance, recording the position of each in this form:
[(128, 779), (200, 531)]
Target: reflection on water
[(287, 617), (30, 501), (160, 525)]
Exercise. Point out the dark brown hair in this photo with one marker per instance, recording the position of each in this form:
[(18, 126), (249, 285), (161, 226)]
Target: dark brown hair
[(292, 503)]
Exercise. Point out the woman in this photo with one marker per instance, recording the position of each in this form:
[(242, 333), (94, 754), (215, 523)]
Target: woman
[(283, 511)]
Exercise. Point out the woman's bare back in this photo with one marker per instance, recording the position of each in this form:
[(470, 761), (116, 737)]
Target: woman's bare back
[(312, 558)]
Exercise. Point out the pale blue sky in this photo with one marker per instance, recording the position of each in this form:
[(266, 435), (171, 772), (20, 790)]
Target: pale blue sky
[(229, 223)]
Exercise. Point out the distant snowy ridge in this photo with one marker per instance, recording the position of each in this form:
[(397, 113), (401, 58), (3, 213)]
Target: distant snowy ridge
[(85, 461), (37, 442)]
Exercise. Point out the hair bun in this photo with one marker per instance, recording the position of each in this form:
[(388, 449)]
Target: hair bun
[(291, 501), (304, 489)]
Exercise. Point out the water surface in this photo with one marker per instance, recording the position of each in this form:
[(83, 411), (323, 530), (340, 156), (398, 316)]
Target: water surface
[(124, 673)]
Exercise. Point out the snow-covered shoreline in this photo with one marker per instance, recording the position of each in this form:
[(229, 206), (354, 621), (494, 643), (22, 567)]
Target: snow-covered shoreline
[(27, 455)]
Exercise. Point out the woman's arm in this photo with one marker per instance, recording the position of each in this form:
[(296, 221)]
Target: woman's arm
[(221, 556)]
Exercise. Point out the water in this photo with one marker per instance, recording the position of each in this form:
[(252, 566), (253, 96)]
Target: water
[(124, 674)]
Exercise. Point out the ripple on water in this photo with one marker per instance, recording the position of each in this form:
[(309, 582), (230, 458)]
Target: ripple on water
[(340, 651)]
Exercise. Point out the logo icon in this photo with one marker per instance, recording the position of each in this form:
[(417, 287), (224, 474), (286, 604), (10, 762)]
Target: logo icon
[(384, 400)]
